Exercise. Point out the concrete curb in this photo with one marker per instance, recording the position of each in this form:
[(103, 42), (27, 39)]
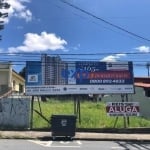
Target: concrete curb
[(113, 137), (78, 136)]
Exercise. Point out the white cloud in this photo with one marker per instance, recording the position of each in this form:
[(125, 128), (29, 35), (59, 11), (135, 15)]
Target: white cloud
[(77, 47), (38, 43), (18, 9), (144, 49), (113, 58), (1, 50)]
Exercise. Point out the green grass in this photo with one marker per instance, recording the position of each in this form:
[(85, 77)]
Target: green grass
[(93, 115)]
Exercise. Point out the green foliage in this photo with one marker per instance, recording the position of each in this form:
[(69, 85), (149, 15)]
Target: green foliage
[(93, 115)]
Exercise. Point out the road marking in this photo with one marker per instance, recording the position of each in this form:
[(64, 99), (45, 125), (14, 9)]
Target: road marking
[(49, 144), (65, 146), (42, 143), (62, 143), (79, 142), (118, 148)]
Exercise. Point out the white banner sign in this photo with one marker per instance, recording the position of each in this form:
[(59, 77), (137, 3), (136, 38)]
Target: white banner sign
[(122, 109), (78, 89)]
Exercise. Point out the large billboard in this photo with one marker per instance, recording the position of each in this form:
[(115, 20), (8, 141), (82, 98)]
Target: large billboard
[(79, 77)]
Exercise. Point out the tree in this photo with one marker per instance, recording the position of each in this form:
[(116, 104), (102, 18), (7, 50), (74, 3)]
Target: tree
[(3, 5)]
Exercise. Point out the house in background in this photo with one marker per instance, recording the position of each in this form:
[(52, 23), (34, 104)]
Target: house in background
[(5, 78), (10, 81), (18, 83)]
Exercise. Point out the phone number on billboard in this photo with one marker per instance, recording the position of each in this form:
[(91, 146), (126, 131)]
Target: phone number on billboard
[(108, 81)]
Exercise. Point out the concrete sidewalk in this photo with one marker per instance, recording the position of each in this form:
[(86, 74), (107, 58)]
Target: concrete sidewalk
[(78, 136)]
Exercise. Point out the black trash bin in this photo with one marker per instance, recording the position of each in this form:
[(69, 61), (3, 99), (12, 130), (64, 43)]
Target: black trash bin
[(63, 126)]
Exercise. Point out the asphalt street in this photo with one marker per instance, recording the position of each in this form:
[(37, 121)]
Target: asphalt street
[(15, 144)]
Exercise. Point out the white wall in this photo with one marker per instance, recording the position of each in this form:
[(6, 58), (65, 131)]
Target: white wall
[(14, 113)]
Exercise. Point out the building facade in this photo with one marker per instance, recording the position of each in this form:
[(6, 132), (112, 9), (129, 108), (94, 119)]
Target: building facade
[(10, 81), (5, 77), (18, 83)]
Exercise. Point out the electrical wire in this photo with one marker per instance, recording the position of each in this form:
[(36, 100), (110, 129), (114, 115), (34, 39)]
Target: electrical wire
[(21, 58), (105, 21)]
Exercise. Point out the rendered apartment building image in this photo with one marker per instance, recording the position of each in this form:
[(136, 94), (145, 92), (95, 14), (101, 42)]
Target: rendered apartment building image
[(52, 70), (48, 71)]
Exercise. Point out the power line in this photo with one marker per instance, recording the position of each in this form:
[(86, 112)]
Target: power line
[(105, 21), (72, 60), (74, 54), (82, 56), (21, 58)]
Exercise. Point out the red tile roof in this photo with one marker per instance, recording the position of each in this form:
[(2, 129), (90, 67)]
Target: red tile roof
[(144, 85), (142, 82)]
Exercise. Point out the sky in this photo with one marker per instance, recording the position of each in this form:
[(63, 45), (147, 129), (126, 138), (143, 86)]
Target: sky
[(97, 30)]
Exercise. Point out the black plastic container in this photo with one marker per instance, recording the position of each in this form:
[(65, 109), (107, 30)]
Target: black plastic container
[(63, 126)]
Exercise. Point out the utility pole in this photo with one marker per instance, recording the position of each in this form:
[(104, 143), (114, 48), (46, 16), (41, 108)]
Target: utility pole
[(147, 66)]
